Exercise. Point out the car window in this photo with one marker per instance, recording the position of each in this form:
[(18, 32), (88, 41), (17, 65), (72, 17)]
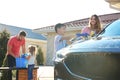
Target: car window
[(112, 29)]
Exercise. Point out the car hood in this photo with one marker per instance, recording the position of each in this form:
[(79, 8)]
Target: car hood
[(93, 45)]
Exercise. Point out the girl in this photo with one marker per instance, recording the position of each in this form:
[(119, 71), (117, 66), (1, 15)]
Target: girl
[(31, 61), (94, 26)]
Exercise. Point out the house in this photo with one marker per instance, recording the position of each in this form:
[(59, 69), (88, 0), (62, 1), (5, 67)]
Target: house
[(115, 4), (32, 38), (73, 27)]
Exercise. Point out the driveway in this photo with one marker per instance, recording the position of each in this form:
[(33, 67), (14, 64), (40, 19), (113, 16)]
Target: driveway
[(46, 73)]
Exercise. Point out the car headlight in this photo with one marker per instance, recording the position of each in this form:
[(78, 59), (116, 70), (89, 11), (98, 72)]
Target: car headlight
[(60, 56), (62, 53)]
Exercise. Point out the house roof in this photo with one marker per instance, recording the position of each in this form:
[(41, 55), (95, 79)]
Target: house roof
[(115, 4), (79, 24), (15, 30)]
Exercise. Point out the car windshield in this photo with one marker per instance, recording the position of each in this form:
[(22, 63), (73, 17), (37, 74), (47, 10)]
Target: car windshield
[(111, 30)]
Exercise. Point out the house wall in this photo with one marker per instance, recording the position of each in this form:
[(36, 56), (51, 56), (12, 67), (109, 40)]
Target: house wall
[(50, 48)]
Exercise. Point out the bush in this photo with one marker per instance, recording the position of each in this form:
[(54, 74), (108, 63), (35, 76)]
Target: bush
[(39, 57)]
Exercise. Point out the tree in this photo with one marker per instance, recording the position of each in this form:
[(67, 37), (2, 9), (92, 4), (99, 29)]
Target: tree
[(4, 37), (39, 57)]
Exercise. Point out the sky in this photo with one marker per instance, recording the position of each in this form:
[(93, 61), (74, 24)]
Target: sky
[(35, 14)]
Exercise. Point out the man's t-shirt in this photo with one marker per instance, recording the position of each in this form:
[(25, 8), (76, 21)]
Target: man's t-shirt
[(16, 44)]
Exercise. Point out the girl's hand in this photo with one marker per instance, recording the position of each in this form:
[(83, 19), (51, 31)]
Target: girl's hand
[(28, 57)]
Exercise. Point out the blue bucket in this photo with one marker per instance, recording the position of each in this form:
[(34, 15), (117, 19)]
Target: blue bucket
[(21, 62)]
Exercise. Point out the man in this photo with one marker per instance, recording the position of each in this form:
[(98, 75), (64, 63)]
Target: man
[(13, 49)]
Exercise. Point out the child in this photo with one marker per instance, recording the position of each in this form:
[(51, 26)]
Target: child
[(31, 61), (60, 40)]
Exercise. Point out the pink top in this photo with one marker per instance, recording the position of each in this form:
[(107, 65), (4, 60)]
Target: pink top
[(86, 30)]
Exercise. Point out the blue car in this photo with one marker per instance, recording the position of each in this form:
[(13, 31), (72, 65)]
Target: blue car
[(94, 59)]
